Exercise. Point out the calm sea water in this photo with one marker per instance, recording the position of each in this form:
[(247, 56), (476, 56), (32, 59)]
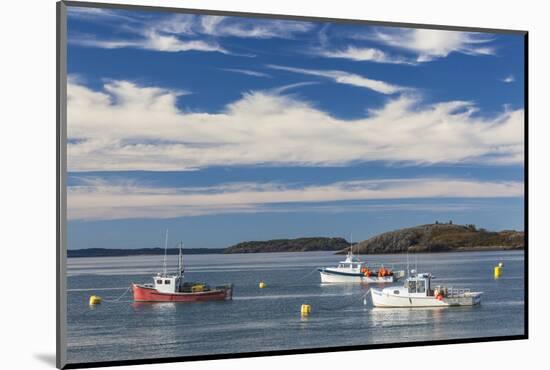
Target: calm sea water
[(269, 319)]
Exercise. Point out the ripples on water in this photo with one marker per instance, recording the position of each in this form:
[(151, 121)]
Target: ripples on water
[(269, 319)]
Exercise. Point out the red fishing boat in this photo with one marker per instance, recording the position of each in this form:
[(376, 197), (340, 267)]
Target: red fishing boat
[(172, 288)]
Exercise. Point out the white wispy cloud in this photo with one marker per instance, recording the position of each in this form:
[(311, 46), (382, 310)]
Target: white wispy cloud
[(151, 40), (432, 44), (251, 28), (281, 89), (508, 79), (141, 32), (179, 32), (357, 53), (98, 199), (124, 126), (347, 78), (362, 54), (98, 14), (180, 24), (247, 72)]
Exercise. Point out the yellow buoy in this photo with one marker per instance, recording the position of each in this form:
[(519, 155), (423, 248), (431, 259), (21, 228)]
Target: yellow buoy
[(261, 285), (305, 309), (496, 272), (94, 299)]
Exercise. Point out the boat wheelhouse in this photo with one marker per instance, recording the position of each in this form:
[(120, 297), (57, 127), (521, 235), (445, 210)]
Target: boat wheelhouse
[(418, 291)]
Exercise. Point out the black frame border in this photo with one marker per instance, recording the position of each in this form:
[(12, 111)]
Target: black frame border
[(61, 193)]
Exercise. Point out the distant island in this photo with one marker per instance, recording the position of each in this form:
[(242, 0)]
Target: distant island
[(290, 245), (440, 237), (277, 245), (437, 237)]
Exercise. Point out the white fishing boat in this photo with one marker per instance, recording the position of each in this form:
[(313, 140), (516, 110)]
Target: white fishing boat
[(418, 292), (352, 270)]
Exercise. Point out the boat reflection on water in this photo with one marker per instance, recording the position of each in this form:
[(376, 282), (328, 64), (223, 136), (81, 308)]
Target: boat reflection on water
[(385, 317), (407, 321), (160, 307), (414, 323)]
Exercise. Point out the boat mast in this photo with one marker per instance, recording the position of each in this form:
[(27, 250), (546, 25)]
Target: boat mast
[(408, 271), (180, 260), (165, 248), (351, 244)]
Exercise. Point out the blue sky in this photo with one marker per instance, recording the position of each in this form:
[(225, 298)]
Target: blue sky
[(225, 129)]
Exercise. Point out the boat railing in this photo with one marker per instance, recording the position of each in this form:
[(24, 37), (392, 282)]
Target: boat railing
[(376, 266)]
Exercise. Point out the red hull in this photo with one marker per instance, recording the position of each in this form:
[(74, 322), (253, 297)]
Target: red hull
[(147, 294)]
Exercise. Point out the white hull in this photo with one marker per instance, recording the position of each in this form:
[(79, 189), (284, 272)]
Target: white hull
[(333, 278), (384, 299)]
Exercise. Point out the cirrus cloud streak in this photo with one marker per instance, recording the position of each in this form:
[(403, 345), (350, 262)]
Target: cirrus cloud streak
[(429, 45), (347, 78), (178, 32), (97, 199), (364, 54)]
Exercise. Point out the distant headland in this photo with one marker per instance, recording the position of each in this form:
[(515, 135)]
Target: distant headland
[(436, 237), (440, 237)]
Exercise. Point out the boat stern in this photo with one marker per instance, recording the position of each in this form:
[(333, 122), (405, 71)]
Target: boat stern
[(228, 290), (475, 298)]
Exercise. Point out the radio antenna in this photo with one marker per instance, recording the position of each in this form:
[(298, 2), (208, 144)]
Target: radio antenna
[(165, 248)]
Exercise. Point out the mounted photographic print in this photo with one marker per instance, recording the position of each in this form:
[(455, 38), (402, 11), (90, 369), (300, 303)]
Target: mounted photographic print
[(236, 185)]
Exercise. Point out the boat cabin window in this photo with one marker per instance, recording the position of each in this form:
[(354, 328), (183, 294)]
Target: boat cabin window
[(167, 282), (159, 281), (421, 286), (417, 286), (396, 292)]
